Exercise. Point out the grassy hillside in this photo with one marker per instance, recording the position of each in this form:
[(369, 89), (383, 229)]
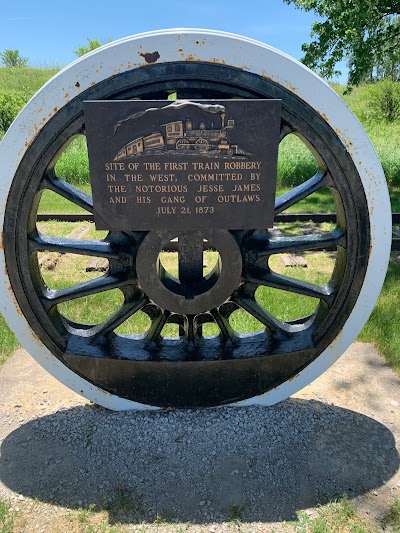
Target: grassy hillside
[(24, 80), (384, 134)]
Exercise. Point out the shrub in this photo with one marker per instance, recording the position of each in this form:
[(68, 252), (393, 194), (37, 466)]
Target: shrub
[(12, 58), (11, 104), (383, 100), (92, 44)]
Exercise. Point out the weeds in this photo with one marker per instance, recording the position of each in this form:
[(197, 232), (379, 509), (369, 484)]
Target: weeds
[(91, 521), (332, 518), (126, 504), (383, 100), (8, 341), (236, 514), (392, 518), (85, 515), (6, 517)]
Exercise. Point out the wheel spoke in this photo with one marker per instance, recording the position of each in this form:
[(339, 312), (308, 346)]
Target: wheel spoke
[(69, 192), (127, 309), (41, 242), (222, 321), (105, 283), (264, 247), (301, 191), (204, 318), (190, 260), (248, 303), (286, 283), (190, 329), (156, 327), (285, 130)]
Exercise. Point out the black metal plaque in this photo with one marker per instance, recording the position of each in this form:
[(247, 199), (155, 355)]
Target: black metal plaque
[(183, 165)]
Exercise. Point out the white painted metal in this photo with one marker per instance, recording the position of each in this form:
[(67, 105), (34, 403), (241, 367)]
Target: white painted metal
[(215, 47)]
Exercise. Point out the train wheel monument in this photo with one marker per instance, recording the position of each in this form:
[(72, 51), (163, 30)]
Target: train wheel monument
[(199, 171)]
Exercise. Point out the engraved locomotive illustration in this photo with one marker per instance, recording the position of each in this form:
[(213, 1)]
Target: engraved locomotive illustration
[(182, 137)]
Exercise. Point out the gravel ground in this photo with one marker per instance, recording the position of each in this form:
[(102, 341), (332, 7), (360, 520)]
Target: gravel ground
[(340, 435)]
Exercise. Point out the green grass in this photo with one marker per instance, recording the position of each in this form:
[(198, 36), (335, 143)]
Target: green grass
[(335, 517), (320, 201), (24, 80), (385, 138), (395, 199), (392, 519), (6, 517), (51, 203), (382, 328), (384, 135), (73, 165), (8, 341), (295, 162)]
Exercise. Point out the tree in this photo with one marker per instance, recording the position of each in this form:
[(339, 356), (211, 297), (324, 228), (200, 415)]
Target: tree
[(12, 58), (365, 32), (92, 44)]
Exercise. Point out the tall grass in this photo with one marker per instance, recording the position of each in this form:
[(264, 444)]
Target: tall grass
[(295, 162), (382, 328), (385, 138), (73, 165), (24, 79), (384, 135)]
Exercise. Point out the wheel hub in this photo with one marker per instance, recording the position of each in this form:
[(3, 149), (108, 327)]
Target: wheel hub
[(191, 293)]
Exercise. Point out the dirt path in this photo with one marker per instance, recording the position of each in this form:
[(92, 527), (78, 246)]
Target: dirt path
[(159, 472)]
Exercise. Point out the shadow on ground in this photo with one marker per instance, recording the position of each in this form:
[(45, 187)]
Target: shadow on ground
[(265, 463)]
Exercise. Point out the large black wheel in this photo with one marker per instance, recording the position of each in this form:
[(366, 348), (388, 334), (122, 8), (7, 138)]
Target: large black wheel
[(209, 362)]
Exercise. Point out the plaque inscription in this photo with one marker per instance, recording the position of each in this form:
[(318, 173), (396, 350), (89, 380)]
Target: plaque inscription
[(183, 165)]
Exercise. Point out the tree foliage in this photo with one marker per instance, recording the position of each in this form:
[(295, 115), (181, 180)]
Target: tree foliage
[(91, 45), (365, 32), (12, 58)]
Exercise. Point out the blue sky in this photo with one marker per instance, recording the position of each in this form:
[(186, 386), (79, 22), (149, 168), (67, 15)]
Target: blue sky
[(47, 31)]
